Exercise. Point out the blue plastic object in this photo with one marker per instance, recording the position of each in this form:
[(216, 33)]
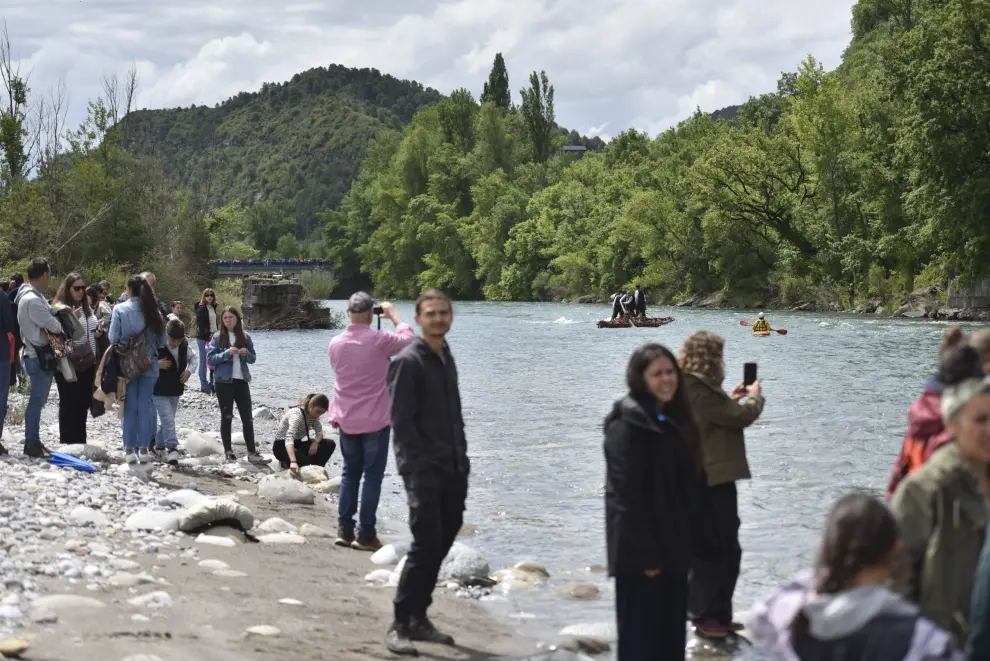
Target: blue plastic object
[(63, 460)]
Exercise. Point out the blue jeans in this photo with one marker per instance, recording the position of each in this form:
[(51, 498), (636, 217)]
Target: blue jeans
[(5, 368), (364, 454), (204, 379), (139, 412), (41, 386), (166, 408)]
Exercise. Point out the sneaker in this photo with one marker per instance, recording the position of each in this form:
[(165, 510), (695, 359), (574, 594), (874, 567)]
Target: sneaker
[(344, 537), (144, 456), (173, 457), (230, 456), (424, 631), (735, 627), (131, 457), (372, 544), (398, 641), (255, 458), (711, 629)]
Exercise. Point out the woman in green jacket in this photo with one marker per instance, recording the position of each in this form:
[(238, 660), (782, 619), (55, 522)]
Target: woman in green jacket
[(721, 418), (940, 509)]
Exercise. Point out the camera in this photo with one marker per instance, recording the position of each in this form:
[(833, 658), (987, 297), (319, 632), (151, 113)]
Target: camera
[(378, 309)]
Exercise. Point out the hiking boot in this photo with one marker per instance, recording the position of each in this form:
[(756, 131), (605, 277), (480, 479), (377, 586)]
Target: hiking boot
[(344, 537), (255, 458), (711, 629), (173, 457), (735, 627), (398, 641), (422, 630), (372, 544), (36, 451), (144, 456)]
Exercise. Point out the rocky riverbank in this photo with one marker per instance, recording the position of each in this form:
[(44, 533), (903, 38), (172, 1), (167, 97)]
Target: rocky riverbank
[(224, 560)]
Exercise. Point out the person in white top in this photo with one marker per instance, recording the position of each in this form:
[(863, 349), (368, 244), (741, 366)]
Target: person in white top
[(75, 397)]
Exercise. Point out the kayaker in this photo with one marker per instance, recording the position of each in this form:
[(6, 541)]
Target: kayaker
[(761, 325)]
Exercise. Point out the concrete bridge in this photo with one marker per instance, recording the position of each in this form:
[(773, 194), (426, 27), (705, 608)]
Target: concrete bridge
[(241, 269)]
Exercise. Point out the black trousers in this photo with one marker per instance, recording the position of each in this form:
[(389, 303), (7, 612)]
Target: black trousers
[(74, 399), (236, 392), (717, 556), (436, 515), (303, 458), (651, 614)]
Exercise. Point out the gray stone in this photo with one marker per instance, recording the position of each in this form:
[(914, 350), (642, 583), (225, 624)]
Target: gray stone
[(283, 490), (281, 538), (600, 630), (197, 445), (214, 565), (290, 602), (313, 474), (263, 630), (463, 564), (186, 498), (125, 580), (149, 519), (580, 591), (262, 413), (275, 524), (379, 576), (309, 530), (229, 573), (87, 516), (390, 554), (152, 600), (213, 540), (63, 604)]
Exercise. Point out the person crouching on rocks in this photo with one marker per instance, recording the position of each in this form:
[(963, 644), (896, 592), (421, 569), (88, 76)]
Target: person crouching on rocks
[(299, 438), (176, 363), (842, 610), (231, 351)]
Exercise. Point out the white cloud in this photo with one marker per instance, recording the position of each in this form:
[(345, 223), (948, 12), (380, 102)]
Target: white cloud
[(615, 63)]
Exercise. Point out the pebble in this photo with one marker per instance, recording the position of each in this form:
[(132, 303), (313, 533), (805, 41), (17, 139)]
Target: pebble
[(281, 538), (213, 540), (276, 525), (263, 630), (290, 602), (309, 530), (580, 591), (229, 573), (214, 565), (153, 600)]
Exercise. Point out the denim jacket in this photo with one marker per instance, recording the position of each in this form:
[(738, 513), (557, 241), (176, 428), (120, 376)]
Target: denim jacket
[(223, 361), (127, 320)]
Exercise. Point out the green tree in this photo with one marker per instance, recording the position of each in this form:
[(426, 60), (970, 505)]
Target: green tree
[(538, 113), (496, 90), (13, 118)]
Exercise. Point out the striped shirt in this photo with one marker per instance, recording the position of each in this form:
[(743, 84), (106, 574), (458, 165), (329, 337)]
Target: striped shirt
[(293, 426)]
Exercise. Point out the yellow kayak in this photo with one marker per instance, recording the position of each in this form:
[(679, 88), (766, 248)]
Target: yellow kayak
[(761, 333)]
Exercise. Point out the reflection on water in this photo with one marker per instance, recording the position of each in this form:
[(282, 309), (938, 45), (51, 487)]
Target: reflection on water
[(538, 379)]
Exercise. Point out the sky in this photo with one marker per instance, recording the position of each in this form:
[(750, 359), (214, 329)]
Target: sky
[(615, 64)]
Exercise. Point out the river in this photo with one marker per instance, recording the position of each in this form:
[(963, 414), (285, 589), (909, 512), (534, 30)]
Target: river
[(537, 380)]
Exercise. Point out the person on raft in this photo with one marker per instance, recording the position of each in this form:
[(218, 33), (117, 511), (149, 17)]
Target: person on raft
[(622, 304), (761, 325), (639, 302)]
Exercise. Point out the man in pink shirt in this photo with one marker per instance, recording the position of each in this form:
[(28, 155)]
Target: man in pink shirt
[(361, 408)]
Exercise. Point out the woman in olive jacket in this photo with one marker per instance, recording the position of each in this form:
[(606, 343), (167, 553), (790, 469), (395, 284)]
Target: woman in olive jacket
[(721, 418), (653, 464)]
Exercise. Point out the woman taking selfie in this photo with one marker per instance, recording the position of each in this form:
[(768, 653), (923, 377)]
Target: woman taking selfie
[(206, 327), (75, 397), (653, 462), (139, 314), (299, 438), (231, 351), (722, 418)]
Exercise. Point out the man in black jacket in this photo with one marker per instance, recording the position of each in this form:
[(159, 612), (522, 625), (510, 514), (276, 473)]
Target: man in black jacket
[(431, 456)]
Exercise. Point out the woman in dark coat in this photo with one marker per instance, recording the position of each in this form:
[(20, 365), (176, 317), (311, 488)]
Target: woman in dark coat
[(653, 459)]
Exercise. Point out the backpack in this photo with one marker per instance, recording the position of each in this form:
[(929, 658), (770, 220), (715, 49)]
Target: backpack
[(134, 358)]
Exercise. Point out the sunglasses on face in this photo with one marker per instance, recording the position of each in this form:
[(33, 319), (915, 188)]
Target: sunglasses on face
[(78, 287)]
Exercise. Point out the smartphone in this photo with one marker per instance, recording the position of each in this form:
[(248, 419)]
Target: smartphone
[(749, 374)]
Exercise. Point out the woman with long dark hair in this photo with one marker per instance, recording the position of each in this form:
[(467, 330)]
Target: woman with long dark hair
[(653, 458), (75, 397), (299, 437), (842, 610), (231, 351), (206, 327), (139, 314)]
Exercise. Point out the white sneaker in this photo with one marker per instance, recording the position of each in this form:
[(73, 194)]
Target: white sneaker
[(131, 458), (173, 457), (143, 456)]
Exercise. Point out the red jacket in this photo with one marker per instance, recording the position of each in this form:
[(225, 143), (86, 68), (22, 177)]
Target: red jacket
[(925, 434)]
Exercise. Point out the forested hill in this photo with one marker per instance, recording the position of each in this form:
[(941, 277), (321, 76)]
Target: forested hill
[(300, 142)]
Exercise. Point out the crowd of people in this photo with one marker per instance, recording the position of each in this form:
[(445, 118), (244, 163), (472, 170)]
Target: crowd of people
[(629, 303), (905, 580), (276, 262)]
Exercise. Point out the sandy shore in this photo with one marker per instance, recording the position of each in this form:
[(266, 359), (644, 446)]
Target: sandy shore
[(340, 616)]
